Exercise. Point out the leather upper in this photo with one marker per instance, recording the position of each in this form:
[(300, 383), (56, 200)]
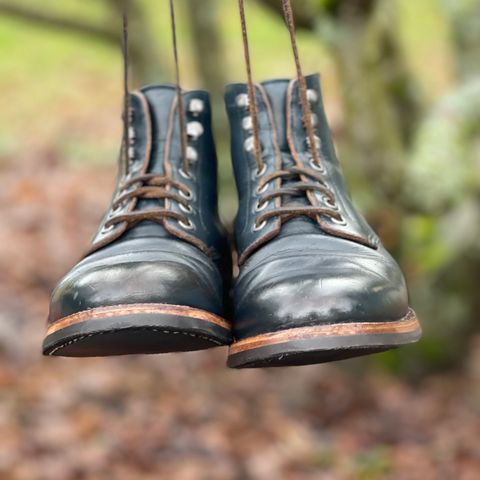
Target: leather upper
[(302, 271), (158, 262), (156, 149), (141, 270), (283, 140)]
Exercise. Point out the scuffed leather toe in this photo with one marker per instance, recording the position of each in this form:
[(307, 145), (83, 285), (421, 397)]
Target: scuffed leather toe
[(135, 272), (314, 281)]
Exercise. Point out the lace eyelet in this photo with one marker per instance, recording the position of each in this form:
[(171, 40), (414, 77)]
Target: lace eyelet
[(260, 206), (261, 190), (242, 100), (192, 154), (188, 225), (316, 140), (184, 174), (107, 229), (115, 210), (319, 168), (131, 154), (188, 195), (261, 171), (312, 95), (196, 106), (195, 130), (336, 221), (131, 137), (257, 228), (249, 145), (330, 203), (186, 209), (247, 123)]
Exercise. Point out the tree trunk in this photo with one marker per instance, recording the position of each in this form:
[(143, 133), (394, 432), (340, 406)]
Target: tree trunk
[(207, 43)]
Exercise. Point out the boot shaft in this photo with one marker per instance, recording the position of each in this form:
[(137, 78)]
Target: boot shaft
[(154, 148), (284, 145)]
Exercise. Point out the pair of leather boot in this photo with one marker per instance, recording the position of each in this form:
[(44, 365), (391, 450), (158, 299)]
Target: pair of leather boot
[(314, 282)]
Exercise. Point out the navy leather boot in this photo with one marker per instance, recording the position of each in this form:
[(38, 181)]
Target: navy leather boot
[(153, 280), (314, 284)]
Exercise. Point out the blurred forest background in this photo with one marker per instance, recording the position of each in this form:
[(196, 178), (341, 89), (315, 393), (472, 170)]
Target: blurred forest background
[(402, 85)]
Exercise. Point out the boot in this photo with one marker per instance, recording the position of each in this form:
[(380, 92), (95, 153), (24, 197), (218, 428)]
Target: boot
[(153, 279), (315, 284)]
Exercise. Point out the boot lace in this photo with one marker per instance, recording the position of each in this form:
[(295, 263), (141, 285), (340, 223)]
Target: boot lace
[(149, 187), (300, 181)]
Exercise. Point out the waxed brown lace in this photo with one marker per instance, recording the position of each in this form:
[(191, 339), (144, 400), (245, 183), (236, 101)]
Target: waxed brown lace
[(252, 101), (181, 111), (126, 89), (150, 186), (293, 189), (302, 83), (300, 187)]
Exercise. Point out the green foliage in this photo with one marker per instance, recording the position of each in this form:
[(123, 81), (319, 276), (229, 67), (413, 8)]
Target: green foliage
[(442, 170), (424, 37)]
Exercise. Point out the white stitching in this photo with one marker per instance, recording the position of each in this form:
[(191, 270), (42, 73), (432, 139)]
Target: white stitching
[(168, 332)]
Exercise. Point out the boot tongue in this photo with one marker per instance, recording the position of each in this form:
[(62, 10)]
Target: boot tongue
[(159, 100), (277, 92)]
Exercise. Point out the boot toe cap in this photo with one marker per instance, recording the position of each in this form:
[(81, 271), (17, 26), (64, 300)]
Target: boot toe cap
[(166, 274), (331, 281)]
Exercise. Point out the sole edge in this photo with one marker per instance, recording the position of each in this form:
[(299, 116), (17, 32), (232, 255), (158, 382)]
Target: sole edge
[(323, 343), (135, 329)]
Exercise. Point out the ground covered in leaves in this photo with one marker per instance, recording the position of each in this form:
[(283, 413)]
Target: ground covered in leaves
[(186, 417)]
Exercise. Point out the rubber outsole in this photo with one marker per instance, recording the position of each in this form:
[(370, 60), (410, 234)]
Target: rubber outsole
[(323, 343), (135, 329)]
